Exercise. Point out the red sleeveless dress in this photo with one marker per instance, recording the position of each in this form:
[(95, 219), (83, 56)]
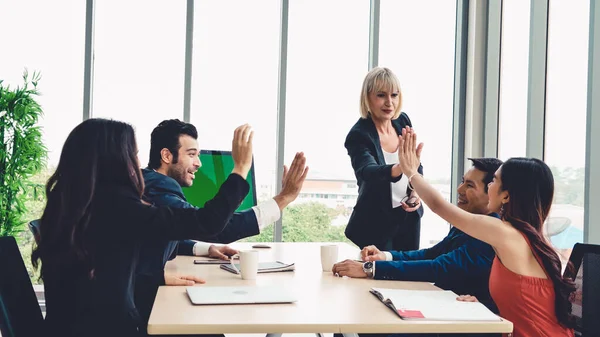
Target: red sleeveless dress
[(526, 301)]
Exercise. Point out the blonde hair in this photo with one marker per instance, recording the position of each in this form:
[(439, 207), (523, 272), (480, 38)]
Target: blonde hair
[(379, 79)]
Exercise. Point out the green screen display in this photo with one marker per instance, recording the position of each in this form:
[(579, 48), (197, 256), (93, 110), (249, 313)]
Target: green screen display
[(216, 167)]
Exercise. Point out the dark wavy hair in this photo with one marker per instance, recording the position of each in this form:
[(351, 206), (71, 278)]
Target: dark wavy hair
[(97, 152), (530, 185), (489, 166), (166, 135)]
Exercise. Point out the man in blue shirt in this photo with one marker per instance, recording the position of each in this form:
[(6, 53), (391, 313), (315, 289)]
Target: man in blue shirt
[(459, 262)]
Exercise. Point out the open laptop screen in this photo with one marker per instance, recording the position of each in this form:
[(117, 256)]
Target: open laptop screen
[(216, 167)]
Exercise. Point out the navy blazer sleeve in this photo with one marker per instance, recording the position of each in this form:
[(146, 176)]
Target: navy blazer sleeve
[(408, 255), (148, 222), (423, 254), (242, 225), (469, 260)]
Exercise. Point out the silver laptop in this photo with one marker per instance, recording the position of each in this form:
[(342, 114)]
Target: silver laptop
[(240, 295)]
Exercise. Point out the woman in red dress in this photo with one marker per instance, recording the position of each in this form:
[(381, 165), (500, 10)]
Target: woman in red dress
[(525, 280)]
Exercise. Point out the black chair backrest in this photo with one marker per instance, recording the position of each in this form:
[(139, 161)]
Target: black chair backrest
[(34, 227), (586, 301), (20, 314)]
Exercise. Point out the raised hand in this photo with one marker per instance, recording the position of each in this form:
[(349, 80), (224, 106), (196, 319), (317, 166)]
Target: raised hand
[(409, 154), (241, 150), (372, 253), (292, 181)]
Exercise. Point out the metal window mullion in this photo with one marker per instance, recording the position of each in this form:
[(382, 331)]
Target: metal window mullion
[(88, 64), (281, 100), (475, 95), (374, 17), (491, 111), (592, 157), (189, 51), (460, 88), (536, 88)]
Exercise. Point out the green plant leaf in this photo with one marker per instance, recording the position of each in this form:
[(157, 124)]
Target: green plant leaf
[(22, 153)]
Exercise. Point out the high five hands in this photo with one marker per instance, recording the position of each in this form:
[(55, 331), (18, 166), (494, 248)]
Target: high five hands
[(241, 150), (292, 181), (409, 153)]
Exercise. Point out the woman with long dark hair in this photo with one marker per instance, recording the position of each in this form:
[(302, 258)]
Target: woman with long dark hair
[(525, 280), (95, 221)]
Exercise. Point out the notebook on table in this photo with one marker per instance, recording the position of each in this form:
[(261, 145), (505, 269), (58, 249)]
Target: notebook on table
[(432, 305), (263, 267), (240, 295)]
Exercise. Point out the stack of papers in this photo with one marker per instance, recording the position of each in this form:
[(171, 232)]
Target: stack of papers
[(263, 267), (432, 305)]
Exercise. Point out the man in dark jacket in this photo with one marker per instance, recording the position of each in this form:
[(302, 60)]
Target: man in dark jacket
[(459, 263), (174, 159)]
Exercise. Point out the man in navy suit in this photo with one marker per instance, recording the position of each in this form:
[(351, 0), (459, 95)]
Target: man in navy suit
[(459, 262), (173, 162)]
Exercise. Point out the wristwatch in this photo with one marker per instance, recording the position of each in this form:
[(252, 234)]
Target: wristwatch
[(368, 268)]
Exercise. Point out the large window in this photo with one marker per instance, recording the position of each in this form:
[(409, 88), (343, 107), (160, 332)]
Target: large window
[(139, 64), (327, 61), (235, 75), (566, 98), (417, 43), (514, 61), (54, 46)]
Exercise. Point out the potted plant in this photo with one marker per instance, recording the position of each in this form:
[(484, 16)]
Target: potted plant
[(22, 153)]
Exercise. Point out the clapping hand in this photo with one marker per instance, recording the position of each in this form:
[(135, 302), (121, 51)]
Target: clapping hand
[(293, 179), (409, 153)]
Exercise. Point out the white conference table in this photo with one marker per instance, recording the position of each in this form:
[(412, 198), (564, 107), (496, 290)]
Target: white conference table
[(326, 303)]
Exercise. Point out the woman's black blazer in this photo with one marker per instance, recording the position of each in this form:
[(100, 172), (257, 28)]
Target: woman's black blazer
[(372, 221), (84, 305)]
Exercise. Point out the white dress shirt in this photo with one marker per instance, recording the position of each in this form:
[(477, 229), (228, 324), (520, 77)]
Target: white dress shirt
[(398, 188)]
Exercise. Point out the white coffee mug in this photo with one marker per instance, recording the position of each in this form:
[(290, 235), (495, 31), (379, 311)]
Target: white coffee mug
[(248, 264), (329, 256)]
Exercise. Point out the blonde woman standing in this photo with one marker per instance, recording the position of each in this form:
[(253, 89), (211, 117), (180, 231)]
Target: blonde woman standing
[(387, 214)]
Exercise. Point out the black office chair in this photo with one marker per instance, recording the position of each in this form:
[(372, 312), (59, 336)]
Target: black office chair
[(586, 301), (20, 314), (34, 227)]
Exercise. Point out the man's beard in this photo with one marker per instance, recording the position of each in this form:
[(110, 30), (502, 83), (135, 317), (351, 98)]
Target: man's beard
[(179, 176)]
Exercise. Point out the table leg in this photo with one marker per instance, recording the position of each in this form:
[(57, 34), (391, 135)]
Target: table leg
[(350, 334), (273, 335)]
